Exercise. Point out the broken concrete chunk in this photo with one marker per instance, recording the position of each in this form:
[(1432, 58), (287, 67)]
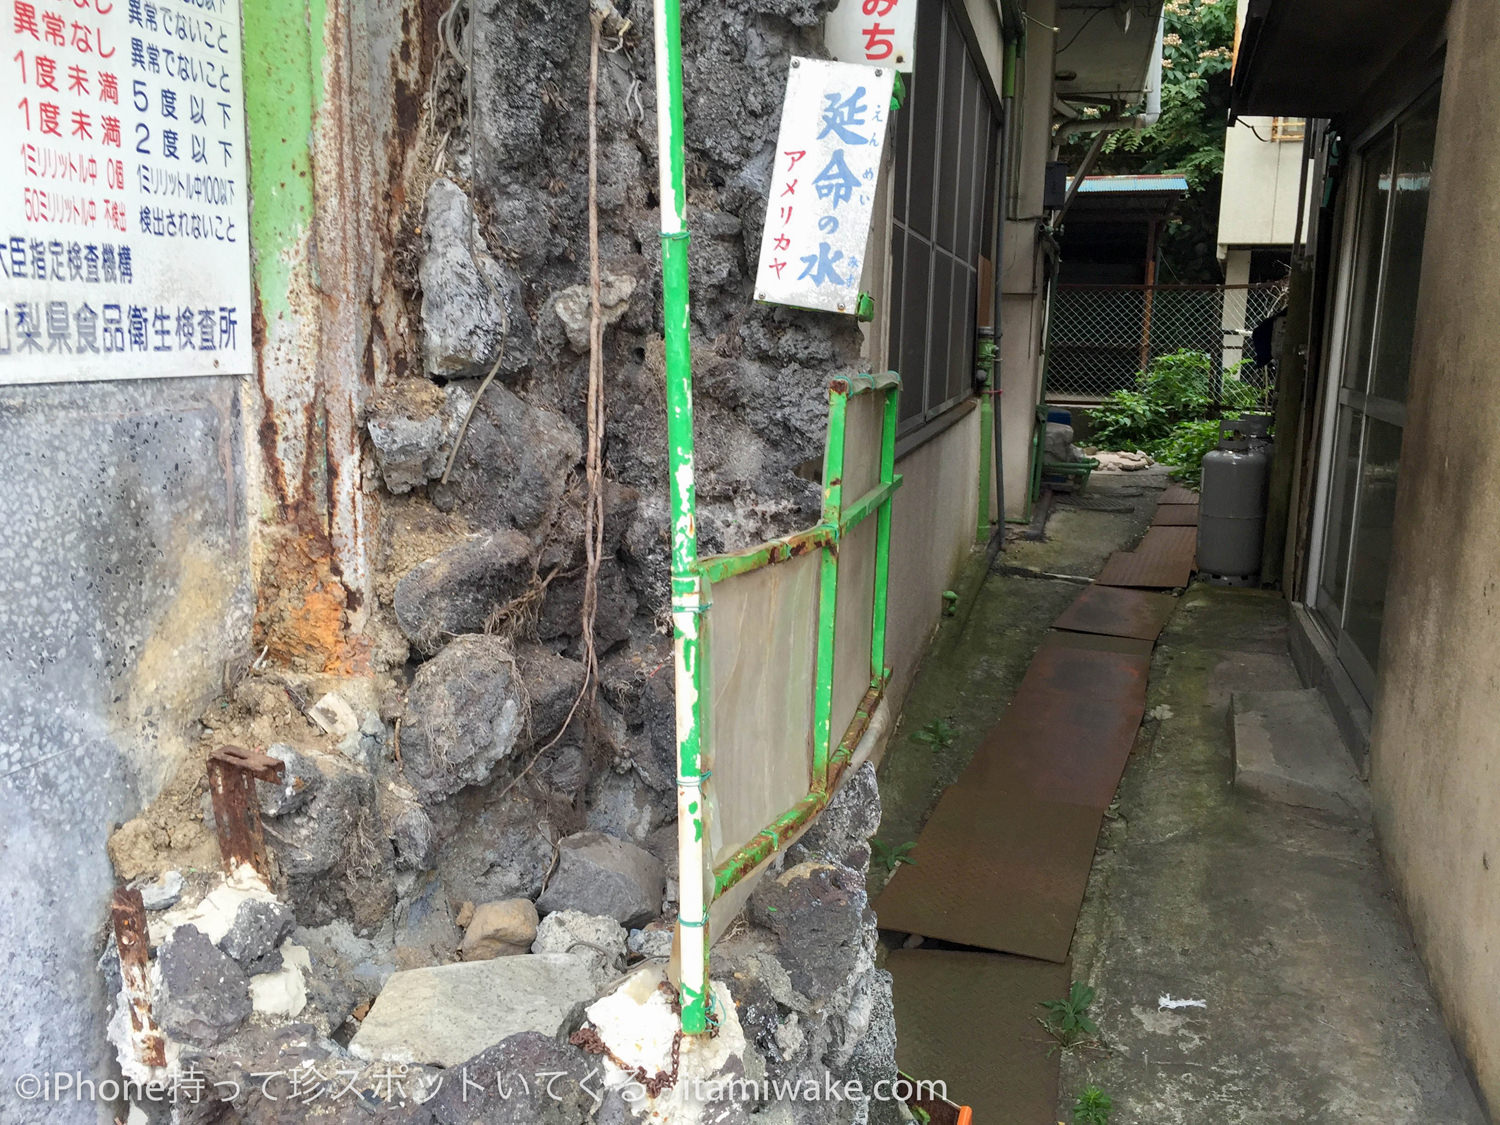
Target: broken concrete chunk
[(462, 322), (464, 713), (500, 929), (162, 892), (574, 306), (334, 716), (456, 592), (639, 1024), (446, 1014), (655, 941), (601, 875), (299, 782), (596, 937), (283, 994), (203, 995), (412, 427), (258, 929)]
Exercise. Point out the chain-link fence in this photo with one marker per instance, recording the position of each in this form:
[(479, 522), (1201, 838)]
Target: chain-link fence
[(1101, 336)]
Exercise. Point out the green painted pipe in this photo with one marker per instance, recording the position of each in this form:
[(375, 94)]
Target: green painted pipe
[(986, 354), (828, 583), (687, 584), (888, 479)]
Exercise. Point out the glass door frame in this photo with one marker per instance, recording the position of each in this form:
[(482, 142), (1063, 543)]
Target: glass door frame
[(1331, 617)]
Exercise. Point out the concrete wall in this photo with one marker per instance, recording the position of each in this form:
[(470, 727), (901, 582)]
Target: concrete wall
[(137, 514), (1436, 746), (1259, 203), (1022, 278), (124, 600)]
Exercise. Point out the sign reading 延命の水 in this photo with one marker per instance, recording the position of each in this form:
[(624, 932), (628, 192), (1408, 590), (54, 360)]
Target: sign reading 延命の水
[(124, 238), (823, 184), (874, 32)]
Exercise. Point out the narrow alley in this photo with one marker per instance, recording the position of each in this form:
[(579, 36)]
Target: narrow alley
[(1230, 937), (791, 562)]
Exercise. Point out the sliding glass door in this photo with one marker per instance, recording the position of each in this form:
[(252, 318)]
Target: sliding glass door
[(1367, 408)]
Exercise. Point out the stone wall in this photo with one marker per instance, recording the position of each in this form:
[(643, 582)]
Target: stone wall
[(461, 828)]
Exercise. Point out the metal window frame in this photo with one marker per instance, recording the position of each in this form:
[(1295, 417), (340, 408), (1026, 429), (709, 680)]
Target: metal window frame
[(939, 391)]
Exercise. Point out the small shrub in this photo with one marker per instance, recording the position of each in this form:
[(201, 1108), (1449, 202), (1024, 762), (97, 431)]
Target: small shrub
[(1093, 1107), (1068, 1019), (1185, 447), (938, 734), (1176, 389), (891, 857)]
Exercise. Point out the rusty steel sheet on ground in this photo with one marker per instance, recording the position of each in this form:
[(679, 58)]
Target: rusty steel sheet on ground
[(1071, 666), (1075, 754), (1175, 515), (996, 870), (1177, 494), (969, 1020), (1164, 560), (1117, 611)]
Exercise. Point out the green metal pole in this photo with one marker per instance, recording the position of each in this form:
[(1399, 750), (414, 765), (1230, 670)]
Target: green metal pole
[(828, 586), (687, 586), (888, 425), (986, 352)]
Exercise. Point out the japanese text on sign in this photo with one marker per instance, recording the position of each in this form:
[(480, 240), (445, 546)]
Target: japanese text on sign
[(823, 185), (874, 32), (124, 244)]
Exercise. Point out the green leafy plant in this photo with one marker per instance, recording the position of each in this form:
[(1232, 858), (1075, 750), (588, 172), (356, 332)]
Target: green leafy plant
[(938, 734), (1171, 413), (1186, 446), (891, 856), (1068, 1019), (1128, 419), (1093, 1107)]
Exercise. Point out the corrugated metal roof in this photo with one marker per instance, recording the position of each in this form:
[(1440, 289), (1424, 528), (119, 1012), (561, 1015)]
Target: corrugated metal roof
[(1132, 184)]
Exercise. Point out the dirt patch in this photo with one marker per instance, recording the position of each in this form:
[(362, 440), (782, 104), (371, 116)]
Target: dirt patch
[(170, 833)]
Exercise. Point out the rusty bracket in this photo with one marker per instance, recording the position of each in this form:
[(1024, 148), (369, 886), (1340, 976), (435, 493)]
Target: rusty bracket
[(128, 913), (232, 774)]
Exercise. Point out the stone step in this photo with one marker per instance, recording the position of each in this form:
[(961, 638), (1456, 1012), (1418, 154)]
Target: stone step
[(1287, 748)]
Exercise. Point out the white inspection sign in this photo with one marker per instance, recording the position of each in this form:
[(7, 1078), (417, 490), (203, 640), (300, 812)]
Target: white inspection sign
[(124, 235), (822, 199), (875, 32)]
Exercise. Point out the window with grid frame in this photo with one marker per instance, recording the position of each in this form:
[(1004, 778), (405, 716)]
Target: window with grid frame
[(946, 143), (1288, 128)]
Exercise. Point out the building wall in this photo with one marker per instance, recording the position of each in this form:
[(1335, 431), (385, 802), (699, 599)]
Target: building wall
[(124, 604), (1259, 202), (1022, 278), (137, 517), (1436, 746)]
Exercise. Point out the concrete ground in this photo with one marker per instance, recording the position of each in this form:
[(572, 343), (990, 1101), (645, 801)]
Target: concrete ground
[(1280, 919)]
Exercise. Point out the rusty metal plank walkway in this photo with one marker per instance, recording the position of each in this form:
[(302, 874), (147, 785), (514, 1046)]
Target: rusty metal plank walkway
[(970, 1019), (1176, 515), (1117, 611), (1003, 862), (1163, 561), (1177, 494)]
